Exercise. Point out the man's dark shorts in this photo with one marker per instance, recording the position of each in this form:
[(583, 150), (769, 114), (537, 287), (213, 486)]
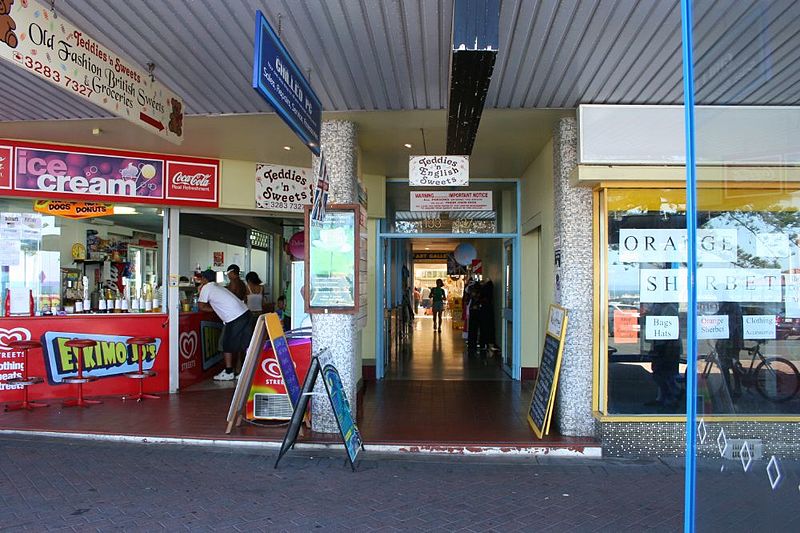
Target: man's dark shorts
[(237, 333)]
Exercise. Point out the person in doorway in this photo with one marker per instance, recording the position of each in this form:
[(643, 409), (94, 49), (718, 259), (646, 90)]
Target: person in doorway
[(256, 301), (474, 317), (280, 308), (234, 314), (235, 284), (487, 328), (728, 349), (425, 300), (417, 299), (438, 297)]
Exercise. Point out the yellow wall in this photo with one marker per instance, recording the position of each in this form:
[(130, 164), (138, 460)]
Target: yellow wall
[(376, 209), (538, 286), (237, 184), (368, 333)]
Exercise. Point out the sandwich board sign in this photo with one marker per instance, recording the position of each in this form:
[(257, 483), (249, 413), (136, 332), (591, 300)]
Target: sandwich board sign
[(540, 412), (334, 390), (267, 325)]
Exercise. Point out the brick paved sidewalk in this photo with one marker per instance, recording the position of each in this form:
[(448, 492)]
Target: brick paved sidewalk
[(86, 486)]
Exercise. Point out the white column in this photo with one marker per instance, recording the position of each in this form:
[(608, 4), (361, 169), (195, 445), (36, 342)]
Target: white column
[(573, 236), (337, 332)]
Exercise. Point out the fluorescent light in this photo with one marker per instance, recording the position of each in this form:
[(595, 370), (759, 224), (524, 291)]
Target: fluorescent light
[(125, 210), (407, 145), (287, 148)]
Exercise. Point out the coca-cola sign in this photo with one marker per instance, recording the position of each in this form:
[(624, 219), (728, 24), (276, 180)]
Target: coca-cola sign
[(198, 180), (192, 181)]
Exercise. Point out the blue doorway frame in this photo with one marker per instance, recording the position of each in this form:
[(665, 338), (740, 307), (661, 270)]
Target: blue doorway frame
[(390, 261)]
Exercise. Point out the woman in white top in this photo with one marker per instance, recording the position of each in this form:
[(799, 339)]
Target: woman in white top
[(255, 299)]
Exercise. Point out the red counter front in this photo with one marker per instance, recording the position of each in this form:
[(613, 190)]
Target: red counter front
[(108, 361), (198, 345), (267, 398)]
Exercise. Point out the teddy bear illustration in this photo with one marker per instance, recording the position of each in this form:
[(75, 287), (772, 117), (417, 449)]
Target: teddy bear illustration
[(7, 24), (175, 117)]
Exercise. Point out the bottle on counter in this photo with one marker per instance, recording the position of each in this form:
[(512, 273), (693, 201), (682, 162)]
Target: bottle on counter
[(87, 304), (135, 308), (96, 297), (109, 301), (148, 298), (158, 294)]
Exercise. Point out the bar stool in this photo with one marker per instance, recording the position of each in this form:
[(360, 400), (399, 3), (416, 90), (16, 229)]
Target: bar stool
[(141, 375), (25, 381), (79, 345)]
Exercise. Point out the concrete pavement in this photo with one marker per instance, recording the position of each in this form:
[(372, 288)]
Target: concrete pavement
[(71, 485)]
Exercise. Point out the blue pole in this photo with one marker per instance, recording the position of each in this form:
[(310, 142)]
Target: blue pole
[(691, 230)]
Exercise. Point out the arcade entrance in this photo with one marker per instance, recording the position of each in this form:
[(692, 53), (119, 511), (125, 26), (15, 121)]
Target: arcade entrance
[(457, 381)]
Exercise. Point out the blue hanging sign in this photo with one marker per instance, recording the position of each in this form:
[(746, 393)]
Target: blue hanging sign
[(277, 78)]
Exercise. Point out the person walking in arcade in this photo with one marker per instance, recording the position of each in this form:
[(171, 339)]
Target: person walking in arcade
[(438, 297)]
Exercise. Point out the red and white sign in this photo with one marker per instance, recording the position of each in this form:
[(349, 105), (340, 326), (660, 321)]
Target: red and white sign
[(198, 340), (451, 200), (12, 363), (39, 170), (194, 182), (6, 166), (477, 266)]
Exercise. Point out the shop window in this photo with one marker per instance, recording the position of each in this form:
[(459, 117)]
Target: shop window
[(53, 265), (748, 281)]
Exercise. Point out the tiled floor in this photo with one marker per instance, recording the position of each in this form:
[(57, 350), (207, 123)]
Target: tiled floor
[(434, 355), (441, 397)]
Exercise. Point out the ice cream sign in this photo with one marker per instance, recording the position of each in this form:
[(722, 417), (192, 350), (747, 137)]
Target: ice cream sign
[(98, 175), (88, 174)]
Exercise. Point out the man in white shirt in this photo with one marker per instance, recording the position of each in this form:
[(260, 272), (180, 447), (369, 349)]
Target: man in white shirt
[(234, 314)]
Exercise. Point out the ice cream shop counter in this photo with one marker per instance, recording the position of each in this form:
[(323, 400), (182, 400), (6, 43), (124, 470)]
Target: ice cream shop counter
[(107, 364), (198, 346)]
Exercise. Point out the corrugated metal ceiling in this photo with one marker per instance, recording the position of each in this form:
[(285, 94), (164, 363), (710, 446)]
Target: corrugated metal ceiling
[(393, 54)]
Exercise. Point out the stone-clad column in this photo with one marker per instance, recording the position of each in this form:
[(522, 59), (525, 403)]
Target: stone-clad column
[(573, 237), (337, 332)]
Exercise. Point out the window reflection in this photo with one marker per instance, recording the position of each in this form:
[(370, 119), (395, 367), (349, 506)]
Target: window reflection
[(748, 281)]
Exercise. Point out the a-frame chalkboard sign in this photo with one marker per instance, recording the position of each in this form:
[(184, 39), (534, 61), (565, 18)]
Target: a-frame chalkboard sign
[(540, 412), (351, 437)]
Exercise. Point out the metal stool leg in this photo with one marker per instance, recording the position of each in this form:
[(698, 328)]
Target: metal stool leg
[(142, 395), (80, 401), (26, 404)]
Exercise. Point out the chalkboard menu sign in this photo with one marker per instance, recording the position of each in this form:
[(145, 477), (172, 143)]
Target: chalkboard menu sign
[(341, 408), (540, 412)]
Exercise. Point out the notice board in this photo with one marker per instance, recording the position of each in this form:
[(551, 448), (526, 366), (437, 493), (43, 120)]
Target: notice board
[(540, 412)]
